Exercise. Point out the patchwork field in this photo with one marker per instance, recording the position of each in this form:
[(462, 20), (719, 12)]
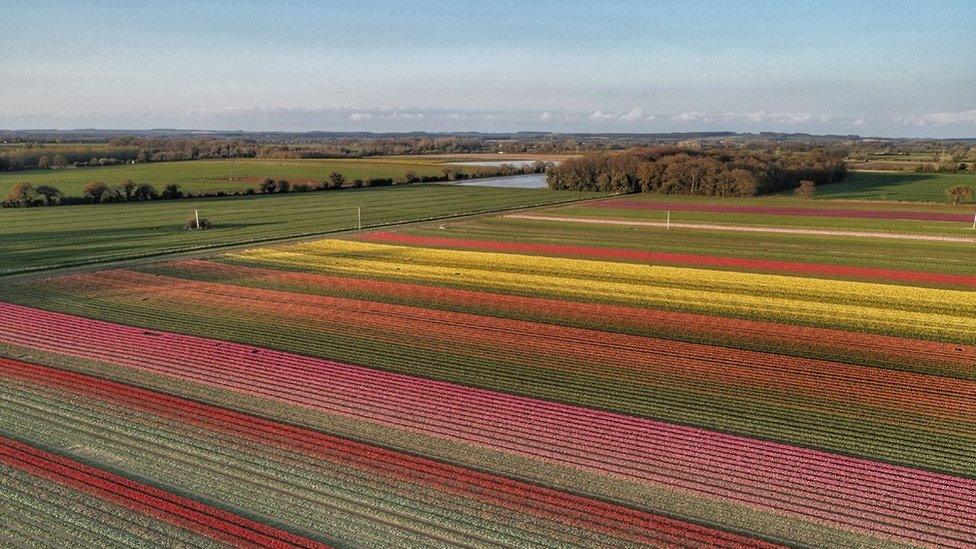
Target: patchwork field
[(505, 381)]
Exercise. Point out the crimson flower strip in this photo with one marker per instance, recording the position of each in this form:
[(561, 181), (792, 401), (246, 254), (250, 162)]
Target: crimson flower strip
[(783, 338), (911, 215), (681, 259), (616, 356), (881, 499), (606, 518), (162, 505)]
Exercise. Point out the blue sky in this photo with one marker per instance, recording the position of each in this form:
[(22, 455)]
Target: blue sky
[(872, 68)]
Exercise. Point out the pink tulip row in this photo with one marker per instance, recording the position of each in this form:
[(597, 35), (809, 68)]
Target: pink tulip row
[(545, 503), (885, 500)]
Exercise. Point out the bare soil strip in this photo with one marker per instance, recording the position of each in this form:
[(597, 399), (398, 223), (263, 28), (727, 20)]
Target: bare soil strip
[(747, 228)]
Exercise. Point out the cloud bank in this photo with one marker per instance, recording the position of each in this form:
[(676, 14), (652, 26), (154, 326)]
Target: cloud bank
[(402, 119)]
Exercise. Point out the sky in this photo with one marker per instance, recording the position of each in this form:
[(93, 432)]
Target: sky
[(874, 68)]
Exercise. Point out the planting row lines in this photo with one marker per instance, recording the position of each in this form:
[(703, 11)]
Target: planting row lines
[(682, 259), (152, 501), (880, 431), (452, 481), (615, 356), (781, 338), (860, 306), (780, 478)]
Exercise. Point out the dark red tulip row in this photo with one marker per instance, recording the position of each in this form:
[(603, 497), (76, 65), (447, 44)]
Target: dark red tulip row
[(886, 500), (162, 505), (794, 268), (605, 518), (780, 338)]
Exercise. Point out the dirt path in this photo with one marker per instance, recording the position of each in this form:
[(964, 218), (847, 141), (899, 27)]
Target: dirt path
[(748, 228)]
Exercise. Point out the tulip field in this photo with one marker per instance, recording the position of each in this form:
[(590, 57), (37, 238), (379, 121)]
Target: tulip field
[(501, 382)]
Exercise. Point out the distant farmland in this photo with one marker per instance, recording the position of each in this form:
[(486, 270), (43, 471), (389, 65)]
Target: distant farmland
[(198, 176), (916, 187)]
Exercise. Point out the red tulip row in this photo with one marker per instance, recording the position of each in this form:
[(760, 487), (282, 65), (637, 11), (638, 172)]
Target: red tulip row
[(162, 505), (679, 259), (781, 338), (933, 429), (624, 357), (912, 215), (605, 518), (885, 500)]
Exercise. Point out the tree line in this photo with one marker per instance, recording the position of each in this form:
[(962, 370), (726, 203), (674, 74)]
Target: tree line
[(26, 195), (672, 170)]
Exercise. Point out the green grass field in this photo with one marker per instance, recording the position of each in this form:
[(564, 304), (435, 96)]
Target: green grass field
[(38, 238), (199, 176), (915, 187)]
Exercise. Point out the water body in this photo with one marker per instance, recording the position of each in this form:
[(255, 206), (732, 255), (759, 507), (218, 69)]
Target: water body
[(496, 163), (527, 181)]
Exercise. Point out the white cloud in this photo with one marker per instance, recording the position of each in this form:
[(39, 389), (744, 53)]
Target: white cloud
[(691, 116), (405, 119), (940, 118), (634, 115)]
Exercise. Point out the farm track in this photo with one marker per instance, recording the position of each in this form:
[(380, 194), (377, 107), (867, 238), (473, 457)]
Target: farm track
[(903, 214), (613, 444), (748, 228), (545, 504)]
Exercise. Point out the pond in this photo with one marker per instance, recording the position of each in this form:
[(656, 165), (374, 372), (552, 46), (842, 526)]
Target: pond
[(496, 163), (527, 181)]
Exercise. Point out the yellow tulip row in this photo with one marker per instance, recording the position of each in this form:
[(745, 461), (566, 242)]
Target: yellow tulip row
[(902, 310)]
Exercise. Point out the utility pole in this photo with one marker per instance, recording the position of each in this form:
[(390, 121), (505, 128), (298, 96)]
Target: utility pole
[(359, 216), (196, 215), (974, 222), (667, 227)]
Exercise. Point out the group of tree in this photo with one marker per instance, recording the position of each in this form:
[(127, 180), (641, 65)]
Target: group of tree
[(26, 195), (959, 194), (129, 191), (714, 172), (122, 150)]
